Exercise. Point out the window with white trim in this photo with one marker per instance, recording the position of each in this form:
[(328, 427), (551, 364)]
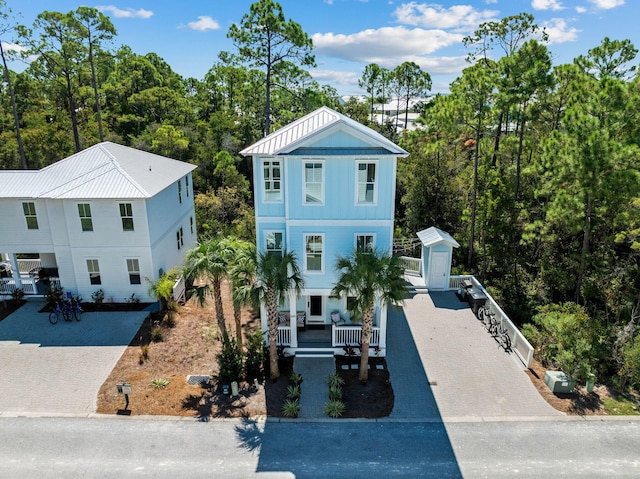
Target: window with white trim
[(274, 242), (126, 214), (180, 238), (186, 184), (84, 211), (30, 215), (133, 268), (366, 182), (93, 268), (313, 182), (365, 242), (313, 252), (272, 176), (180, 191)]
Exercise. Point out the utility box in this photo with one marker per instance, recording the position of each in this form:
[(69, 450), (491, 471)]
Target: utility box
[(476, 299), (558, 382)]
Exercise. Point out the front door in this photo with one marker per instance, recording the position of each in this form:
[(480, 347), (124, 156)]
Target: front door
[(439, 267), (315, 307)]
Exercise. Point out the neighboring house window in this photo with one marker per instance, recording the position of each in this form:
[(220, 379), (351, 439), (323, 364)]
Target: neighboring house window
[(133, 266), (30, 215), (275, 243), (364, 243), (180, 191), (191, 224), (186, 184), (366, 178), (94, 271), (313, 183), (313, 252), (272, 180), (126, 213), (84, 210), (180, 238)]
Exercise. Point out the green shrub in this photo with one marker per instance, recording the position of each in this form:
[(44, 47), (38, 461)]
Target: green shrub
[(629, 372), (229, 362), (335, 393), (293, 392), (254, 357), (157, 334), (291, 408), (334, 408), (295, 378), (159, 383), (334, 380)]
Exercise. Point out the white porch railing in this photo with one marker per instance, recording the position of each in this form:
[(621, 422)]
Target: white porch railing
[(8, 286), (412, 265), (284, 336), (519, 343), (352, 335)]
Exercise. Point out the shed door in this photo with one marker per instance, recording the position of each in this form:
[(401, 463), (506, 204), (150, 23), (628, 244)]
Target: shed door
[(439, 270)]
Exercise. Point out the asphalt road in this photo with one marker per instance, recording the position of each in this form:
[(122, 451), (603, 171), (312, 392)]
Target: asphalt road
[(129, 447)]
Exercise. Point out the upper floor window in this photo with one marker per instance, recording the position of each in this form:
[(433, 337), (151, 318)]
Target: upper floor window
[(313, 252), (313, 183), (365, 243), (84, 211), (191, 223), (93, 269), (186, 184), (180, 191), (180, 238), (366, 182), (30, 215), (133, 267), (272, 180), (275, 243), (126, 213)]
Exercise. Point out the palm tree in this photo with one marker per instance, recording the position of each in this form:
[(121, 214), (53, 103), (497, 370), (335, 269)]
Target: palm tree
[(276, 275), (241, 272), (369, 276), (210, 259)]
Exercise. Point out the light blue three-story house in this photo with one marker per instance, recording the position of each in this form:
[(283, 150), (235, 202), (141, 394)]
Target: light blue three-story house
[(324, 185)]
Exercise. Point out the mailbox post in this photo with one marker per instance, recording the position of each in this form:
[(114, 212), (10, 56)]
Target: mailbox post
[(124, 388)]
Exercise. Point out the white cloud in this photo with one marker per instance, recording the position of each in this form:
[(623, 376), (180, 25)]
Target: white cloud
[(126, 13), (559, 31), (203, 24), (607, 4), (334, 77), (437, 16), (13, 47), (384, 45), (581, 10), (546, 5)]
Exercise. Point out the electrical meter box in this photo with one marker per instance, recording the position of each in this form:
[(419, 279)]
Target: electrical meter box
[(559, 382)]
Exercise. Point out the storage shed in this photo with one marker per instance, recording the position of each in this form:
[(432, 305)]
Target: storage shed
[(437, 249)]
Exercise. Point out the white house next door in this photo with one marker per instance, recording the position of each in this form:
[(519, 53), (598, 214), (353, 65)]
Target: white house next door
[(439, 267)]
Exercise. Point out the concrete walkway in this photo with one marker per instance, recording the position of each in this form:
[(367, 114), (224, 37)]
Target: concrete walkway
[(58, 369)]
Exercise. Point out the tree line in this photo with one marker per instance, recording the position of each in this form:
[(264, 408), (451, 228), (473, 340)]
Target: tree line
[(531, 166)]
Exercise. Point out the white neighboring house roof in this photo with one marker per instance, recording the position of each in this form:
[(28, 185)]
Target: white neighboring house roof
[(432, 236), (102, 171), (303, 130)]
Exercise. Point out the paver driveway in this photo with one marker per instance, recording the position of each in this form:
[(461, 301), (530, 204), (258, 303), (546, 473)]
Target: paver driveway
[(471, 377), (58, 369)]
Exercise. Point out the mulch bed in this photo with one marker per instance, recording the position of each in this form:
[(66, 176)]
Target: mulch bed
[(372, 399), (276, 391), (9, 306)]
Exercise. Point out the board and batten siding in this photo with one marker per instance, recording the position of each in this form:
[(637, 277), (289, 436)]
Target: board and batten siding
[(16, 235)]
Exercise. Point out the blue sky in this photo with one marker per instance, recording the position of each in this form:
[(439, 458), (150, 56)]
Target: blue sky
[(349, 34)]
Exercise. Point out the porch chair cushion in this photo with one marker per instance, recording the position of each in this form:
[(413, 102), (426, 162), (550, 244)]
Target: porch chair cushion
[(300, 320), (336, 319), (282, 318)]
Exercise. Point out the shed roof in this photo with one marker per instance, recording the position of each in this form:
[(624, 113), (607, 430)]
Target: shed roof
[(432, 236), (105, 170), (301, 132)]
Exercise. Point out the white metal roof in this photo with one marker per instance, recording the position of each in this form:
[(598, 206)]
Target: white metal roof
[(432, 236), (105, 170), (303, 130)]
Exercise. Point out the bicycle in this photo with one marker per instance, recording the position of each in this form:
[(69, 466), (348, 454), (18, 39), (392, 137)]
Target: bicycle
[(58, 311), (503, 338), (76, 308)]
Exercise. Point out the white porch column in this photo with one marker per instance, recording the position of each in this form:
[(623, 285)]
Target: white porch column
[(15, 271), (293, 319), (383, 326)]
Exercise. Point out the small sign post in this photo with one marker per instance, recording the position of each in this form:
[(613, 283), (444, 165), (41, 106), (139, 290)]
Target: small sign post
[(124, 388)]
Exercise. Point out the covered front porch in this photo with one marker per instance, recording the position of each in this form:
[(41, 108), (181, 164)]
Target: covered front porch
[(33, 274)]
